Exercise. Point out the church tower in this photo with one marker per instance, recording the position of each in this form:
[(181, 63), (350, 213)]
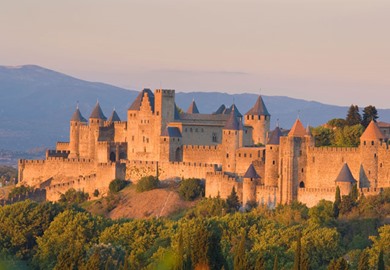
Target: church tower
[(259, 119)]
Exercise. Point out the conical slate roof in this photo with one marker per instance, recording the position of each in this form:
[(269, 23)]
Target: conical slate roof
[(372, 133), (136, 105), (232, 122), (275, 136), (97, 113), (77, 117), (193, 108), (297, 130), (259, 108), (251, 172), (234, 109), (177, 113), (114, 117), (220, 110), (345, 175)]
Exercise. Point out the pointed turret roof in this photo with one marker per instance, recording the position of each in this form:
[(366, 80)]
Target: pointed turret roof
[(251, 172), (259, 108), (220, 110), (114, 117), (275, 136), (372, 133), (232, 122), (308, 132), (97, 112), (77, 117), (345, 175), (297, 130), (234, 109), (136, 105), (193, 108), (177, 113)]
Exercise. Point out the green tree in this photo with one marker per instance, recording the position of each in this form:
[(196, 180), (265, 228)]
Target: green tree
[(117, 185), (276, 266), (240, 260), (369, 113), (260, 263), (337, 203), (354, 193), (381, 262), (337, 123), (232, 201), (147, 183), (191, 189), (73, 196), (322, 136), (322, 213), (363, 261), (339, 264), (353, 116), (298, 253)]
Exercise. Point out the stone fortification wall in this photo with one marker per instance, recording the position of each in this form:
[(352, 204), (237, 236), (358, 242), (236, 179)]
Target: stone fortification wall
[(246, 156), (57, 153), (34, 172), (220, 183), (311, 196), (135, 170), (120, 132), (268, 196), (62, 146), (202, 153), (324, 165), (384, 166)]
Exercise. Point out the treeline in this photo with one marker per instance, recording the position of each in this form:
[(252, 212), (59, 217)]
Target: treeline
[(346, 132), (348, 234)]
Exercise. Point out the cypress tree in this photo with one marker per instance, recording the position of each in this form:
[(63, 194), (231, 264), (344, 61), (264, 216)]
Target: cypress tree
[(232, 201), (297, 257), (353, 116), (369, 113), (239, 254), (180, 253), (337, 203), (276, 267), (354, 193), (381, 261)]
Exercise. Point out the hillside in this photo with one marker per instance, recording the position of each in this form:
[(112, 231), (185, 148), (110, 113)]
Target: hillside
[(36, 104)]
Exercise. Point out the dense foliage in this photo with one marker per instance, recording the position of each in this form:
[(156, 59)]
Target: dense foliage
[(73, 196), (19, 191), (147, 183), (62, 236), (117, 185), (190, 189)]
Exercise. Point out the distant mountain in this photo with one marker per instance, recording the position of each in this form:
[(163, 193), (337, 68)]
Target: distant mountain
[(36, 104)]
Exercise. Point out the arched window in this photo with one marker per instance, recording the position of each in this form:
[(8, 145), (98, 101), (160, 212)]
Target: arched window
[(112, 157), (301, 184)]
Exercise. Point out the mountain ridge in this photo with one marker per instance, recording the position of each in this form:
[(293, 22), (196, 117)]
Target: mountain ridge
[(36, 104)]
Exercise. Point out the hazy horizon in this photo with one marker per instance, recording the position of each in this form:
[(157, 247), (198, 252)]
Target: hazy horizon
[(334, 52)]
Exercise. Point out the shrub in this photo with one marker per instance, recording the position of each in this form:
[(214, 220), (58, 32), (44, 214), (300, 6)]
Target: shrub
[(73, 196), (18, 191), (191, 189), (96, 193), (117, 185), (147, 183)]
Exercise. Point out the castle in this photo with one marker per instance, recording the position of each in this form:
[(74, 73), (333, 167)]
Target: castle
[(225, 148)]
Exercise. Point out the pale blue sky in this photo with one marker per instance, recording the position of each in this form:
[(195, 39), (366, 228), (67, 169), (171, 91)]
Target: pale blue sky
[(336, 52)]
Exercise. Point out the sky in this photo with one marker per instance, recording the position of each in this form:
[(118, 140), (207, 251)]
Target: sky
[(336, 52)]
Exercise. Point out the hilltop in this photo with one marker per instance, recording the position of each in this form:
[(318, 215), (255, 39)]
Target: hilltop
[(36, 104)]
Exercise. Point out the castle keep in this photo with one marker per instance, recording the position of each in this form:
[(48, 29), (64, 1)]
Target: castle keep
[(225, 148)]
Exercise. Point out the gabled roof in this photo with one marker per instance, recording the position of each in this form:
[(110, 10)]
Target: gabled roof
[(220, 110), (372, 133), (77, 117), (193, 108), (138, 101), (232, 122), (114, 117), (345, 175), (259, 108), (97, 112), (275, 136), (297, 130), (171, 132), (251, 172)]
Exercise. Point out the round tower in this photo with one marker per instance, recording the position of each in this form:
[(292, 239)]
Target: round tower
[(272, 159), (74, 138), (345, 180), (231, 134), (259, 119), (370, 141), (250, 180), (96, 120)]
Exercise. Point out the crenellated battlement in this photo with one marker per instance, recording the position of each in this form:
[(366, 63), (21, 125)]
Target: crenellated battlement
[(266, 188), (333, 149), (317, 190), (201, 147)]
